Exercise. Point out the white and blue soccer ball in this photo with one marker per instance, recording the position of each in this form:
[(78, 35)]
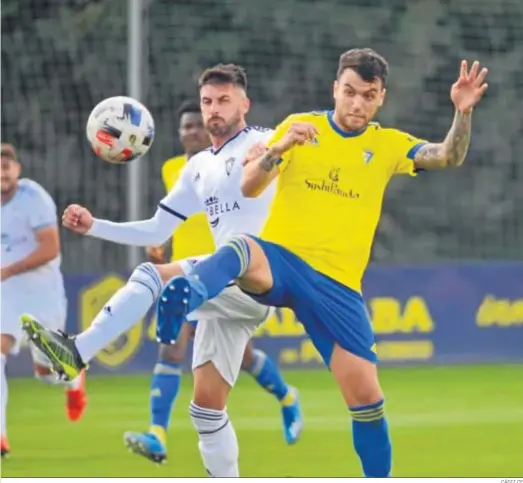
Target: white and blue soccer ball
[(120, 129)]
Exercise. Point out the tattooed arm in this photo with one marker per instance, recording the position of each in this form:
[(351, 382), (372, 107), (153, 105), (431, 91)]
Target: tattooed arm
[(452, 151), (264, 164), (260, 169)]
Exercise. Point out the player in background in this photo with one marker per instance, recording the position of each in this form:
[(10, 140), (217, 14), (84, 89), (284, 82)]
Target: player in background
[(209, 182), (333, 168), (190, 239), (30, 278)]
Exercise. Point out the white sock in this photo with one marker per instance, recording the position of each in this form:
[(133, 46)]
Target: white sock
[(218, 444), (3, 396), (125, 308)]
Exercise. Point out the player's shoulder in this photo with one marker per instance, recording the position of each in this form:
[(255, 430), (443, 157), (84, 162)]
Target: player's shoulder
[(32, 190), (255, 133), (387, 132), (310, 116)]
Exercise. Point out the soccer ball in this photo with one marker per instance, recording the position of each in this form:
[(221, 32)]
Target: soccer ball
[(120, 129)]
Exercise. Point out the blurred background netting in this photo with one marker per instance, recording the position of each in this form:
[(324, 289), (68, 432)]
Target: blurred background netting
[(61, 57)]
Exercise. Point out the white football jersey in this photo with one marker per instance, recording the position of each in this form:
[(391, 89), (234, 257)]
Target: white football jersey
[(30, 210), (211, 181)]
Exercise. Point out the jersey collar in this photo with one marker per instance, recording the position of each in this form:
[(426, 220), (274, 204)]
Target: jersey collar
[(340, 131), (217, 150)]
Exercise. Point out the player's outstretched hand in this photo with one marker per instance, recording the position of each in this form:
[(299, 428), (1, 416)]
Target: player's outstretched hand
[(467, 91), (78, 219), (298, 133)]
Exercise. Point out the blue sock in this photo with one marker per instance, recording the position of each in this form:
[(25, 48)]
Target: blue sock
[(370, 434), (165, 386), (267, 375), (230, 261)]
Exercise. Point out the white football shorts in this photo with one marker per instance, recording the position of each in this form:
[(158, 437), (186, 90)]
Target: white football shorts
[(51, 312)]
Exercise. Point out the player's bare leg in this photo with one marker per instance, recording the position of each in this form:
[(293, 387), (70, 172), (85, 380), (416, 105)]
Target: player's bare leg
[(165, 385), (7, 343)]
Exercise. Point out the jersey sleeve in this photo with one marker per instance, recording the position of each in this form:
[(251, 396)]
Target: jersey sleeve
[(43, 209), (182, 200), (280, 131), (405, 148)]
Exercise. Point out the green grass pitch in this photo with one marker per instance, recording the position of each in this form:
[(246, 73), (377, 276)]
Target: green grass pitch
[(445, 421)]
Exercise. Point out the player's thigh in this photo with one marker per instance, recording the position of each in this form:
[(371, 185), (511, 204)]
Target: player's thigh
[(169, 270), (248, 356), (268, 278), (176, 352), (221, 344), (258, 278), (357, 378)]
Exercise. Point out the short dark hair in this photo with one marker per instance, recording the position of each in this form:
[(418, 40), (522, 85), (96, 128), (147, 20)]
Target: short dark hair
[(9, 152), (188, 106), (224, 74), (367, 63)]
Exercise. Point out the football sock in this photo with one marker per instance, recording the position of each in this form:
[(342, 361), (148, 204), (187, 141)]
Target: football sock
[(268, 376), (165, 385), (125, 308), (371, 439), (230, 261), (218, 444)]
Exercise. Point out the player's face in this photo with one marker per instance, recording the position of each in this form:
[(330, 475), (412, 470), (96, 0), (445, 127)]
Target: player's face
[(193, 136), (356, 101), (10, 174), (224, 107)]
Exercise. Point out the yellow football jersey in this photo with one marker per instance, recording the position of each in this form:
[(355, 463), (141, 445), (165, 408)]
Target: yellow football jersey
[(193, 237), (330, 191)]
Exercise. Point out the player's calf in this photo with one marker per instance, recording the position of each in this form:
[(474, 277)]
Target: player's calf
[(358, 382)]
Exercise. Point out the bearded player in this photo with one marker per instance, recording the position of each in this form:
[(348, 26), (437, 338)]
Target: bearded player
[(191, 239), (333, 168), (210, 182)]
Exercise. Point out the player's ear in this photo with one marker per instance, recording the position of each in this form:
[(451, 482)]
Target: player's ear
[(246, 105), (18, 169), (335, 89), (382, 96)]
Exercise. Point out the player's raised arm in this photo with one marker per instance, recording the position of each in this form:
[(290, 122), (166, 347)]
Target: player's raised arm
[(262, 164), (465, 93), (174, 209)]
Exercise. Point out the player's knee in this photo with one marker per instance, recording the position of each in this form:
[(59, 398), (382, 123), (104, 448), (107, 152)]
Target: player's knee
[(211, 390), (172, 353), (169, 270), (148, 275)]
